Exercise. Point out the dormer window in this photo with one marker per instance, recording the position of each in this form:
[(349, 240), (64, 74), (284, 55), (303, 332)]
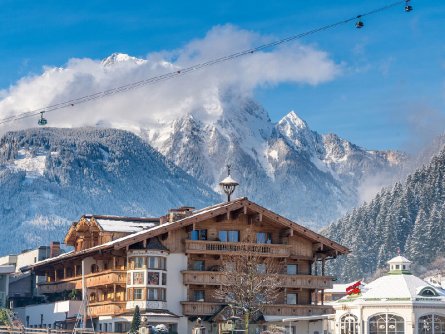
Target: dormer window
[(428, 292)]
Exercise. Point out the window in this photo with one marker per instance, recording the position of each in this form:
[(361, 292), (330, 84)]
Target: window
[(386, 324), (94, 268), (156, 262), (292, 269), (428, 292), (138, 278), (156, 294), (137, 294), (292, 299), (261, 268), (152, 278), (198, 235), (198, 295), (431, 324), (349, 324), (397, 266), (198, 265), (229, 236), (164, 279), (263, 238), (138, 262)]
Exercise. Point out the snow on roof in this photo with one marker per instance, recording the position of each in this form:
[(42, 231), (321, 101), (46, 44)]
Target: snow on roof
[(112, 225), (394, 287), (399, 259), (7, 269), (228, 180)]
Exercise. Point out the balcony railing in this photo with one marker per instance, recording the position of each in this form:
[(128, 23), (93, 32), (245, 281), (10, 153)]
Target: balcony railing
[(287, 281), (200, 308), (106, 308), (206, 308), (218, 247), (92, 280), (114, 277)]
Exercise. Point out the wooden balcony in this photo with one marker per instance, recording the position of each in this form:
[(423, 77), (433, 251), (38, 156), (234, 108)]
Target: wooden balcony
[(200, 308), (103, 278), (106, 308), (60, 286), (107, 278), (206, 308), (297, 310), (232, 248), (288, 281)]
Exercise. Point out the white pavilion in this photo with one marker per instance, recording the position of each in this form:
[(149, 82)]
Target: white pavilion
[(396, 303)]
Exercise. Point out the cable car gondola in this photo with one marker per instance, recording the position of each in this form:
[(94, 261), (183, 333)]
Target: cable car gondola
[(42, 121), (359, 24)]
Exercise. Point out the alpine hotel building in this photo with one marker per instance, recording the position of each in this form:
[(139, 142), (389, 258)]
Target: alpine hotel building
[(169, 267)]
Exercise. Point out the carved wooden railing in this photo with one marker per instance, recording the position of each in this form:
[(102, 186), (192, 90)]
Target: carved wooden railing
[(106, 308), (287, 281), (207, 308), (95, 279), (218, 247)]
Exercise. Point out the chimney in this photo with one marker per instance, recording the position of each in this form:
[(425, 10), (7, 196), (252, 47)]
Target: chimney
[(54, 249), (179, 213)]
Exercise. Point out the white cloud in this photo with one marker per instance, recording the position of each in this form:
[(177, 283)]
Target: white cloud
[(145, 107)]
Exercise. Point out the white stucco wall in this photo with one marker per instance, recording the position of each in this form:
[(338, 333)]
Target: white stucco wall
[(176, 290), (52, 312)]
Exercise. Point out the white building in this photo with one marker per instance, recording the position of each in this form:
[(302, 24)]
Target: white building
[(396, 303), (5, 271)]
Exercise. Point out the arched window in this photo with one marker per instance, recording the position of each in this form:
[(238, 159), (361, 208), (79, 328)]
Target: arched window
[(386, 324), (428, 292), (348, 324), (431, 324)]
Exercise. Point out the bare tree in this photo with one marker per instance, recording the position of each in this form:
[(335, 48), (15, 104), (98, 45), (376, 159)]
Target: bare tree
[(249, 280)]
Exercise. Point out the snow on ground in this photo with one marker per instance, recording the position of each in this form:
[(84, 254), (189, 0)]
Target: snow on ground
[(33, 165)]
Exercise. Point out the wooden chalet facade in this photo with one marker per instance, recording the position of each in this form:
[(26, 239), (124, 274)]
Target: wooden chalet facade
[(169, 266)]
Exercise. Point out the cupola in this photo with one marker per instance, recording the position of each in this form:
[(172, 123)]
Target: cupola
[(399, 265)]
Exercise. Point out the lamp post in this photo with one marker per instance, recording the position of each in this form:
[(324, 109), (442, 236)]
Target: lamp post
[(228, 185)]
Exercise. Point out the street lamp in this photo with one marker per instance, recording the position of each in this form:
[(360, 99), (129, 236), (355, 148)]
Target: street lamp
[(228, 185)]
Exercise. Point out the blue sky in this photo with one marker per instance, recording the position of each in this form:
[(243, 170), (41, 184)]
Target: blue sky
[(389, 94)]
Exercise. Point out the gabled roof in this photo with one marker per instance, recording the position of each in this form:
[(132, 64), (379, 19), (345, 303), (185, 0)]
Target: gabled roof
[(227, 207), (115, 224), (203, 214), (124, 224)]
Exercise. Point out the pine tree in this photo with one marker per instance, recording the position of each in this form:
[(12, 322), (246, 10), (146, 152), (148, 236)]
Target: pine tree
[(136, 322)]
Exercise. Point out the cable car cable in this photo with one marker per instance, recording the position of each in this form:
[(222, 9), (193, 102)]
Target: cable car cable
[(182, 71)]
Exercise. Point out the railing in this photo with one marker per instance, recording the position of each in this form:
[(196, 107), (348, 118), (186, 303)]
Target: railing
[(106, 308), (297, 310), (200, 308), (218, 247), (206, 308), (287, 281), (104, 278), (91, 280), (24, 330)]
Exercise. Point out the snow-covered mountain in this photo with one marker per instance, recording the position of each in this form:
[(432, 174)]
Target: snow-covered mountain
[(49, 177), (286, 166)]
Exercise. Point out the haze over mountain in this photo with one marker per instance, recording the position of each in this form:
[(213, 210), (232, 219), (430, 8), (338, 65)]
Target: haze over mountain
[(407, 217), (49, 177)]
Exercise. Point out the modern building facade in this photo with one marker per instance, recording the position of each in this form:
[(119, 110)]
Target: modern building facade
[(170, 266)]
